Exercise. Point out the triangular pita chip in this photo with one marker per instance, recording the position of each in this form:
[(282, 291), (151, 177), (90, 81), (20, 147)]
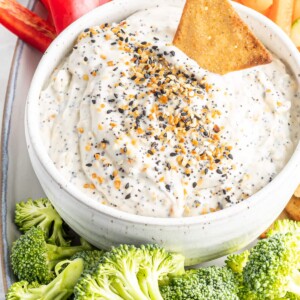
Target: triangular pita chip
[(212, 33)]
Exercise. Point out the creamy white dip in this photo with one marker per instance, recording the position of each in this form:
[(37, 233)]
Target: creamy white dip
[(133, 122)]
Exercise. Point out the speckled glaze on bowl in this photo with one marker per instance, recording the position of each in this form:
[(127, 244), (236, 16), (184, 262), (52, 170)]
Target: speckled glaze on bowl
[(198, 238)]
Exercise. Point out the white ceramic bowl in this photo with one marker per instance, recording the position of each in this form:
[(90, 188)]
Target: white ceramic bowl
[(198, 238)]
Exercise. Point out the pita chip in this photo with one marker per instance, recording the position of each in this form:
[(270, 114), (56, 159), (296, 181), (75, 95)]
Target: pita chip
[(211, 33)]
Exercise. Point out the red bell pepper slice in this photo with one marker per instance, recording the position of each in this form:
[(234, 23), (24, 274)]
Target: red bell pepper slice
[(26, 25), (46, 4), (65, 12)]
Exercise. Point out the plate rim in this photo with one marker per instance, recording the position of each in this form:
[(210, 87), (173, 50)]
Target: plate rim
[(4, 155)]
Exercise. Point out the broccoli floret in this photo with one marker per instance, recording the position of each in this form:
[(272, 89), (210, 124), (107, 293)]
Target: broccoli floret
[(33, 259), (41, 213), (290, 296), (114, 278), (272, 268), (91, 260), (60, 288), (127, 272), (284, 226), (237, 262), (156, 265), (212, 283), (96, 286)]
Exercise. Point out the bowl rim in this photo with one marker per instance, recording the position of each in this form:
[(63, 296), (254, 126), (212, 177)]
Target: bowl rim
[(34, 141)]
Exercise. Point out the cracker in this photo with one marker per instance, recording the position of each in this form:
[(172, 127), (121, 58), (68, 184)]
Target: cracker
[(211, 33), (297, 192), (293, 208)]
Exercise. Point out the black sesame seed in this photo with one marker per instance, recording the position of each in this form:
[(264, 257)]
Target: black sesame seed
[(194, 184), (121, 110), (93, 41), (133, 77), (172, 53), (219, 171), (228, 199), (150, 152), (173, 154), (127, 185), (230, 156), (168, 187), (111, 100), (88, 165), (85, 58), (109, 111), (128, 196), (112, 177), (94, 101)]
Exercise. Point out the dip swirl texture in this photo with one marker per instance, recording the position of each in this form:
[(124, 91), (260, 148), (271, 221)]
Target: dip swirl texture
[(137, 125)]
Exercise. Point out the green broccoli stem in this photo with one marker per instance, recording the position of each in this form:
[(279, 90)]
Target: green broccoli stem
[(153, 288), (149, 285), (58, 235), (62, 286), (134, 290), (56, 254), (294, 285), (43, 222), (44, 217), (107, 292)]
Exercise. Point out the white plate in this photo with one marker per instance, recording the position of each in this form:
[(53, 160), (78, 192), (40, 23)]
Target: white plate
[(18, 180)]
